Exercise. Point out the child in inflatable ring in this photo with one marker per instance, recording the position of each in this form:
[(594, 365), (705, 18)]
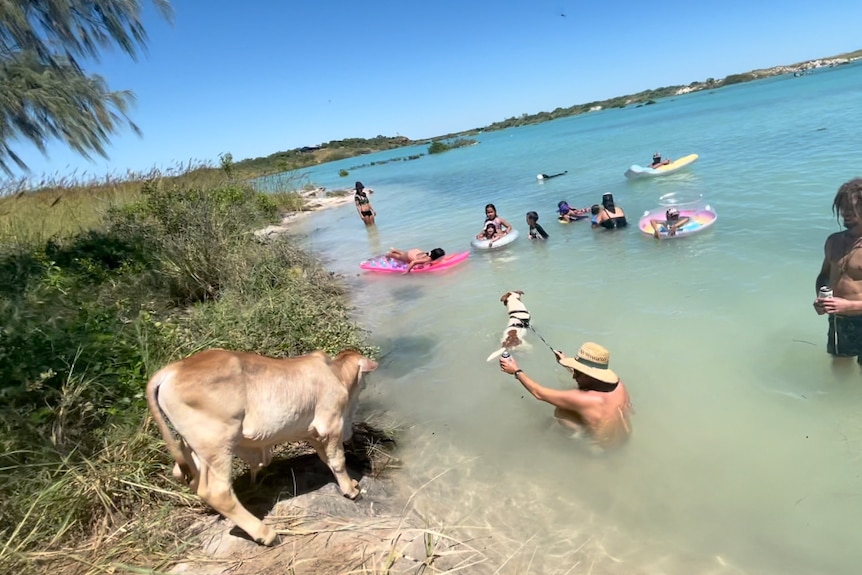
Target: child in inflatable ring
[(672, 222)]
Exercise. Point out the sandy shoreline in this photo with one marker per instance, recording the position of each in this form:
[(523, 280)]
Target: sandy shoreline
[(316, 200)]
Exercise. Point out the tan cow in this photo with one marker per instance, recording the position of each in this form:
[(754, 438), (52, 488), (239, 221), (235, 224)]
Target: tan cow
[(225, 403)]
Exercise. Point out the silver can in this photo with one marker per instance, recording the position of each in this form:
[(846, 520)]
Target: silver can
[(505, 355), (825, 292)]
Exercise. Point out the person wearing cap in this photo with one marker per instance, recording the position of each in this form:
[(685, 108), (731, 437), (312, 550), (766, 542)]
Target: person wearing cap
[(568, 213), (363, 204), (610, 215), (598, 408), (672, 222)]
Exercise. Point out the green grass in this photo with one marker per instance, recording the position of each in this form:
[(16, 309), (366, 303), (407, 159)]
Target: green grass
[(104, 283)]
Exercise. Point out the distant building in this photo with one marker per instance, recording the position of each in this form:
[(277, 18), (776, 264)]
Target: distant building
[(308, 149)]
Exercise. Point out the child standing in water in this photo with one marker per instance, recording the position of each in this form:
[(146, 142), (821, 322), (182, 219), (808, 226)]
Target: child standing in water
[(537, 232)]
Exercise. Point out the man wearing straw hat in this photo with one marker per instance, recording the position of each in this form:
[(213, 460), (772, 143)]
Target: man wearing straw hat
[(598, 408)]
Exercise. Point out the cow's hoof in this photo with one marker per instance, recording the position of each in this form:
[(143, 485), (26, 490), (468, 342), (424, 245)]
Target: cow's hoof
[(354, 494), (267, 537)]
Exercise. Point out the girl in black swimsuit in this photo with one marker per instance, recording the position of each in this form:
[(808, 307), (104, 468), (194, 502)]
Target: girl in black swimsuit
[(363, 205)]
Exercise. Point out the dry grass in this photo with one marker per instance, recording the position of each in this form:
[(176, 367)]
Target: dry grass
[(35, 210), (165, 524)]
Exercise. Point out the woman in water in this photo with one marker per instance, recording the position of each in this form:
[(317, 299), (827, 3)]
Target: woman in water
[(415, 256), (611, 216), (363, 204), (501, 226)]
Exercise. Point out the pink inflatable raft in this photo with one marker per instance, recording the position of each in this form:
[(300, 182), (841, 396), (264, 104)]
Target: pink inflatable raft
[(698, 220), (389, 265)]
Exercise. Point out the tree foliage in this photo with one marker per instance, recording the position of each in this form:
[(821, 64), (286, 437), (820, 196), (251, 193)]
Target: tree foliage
[(44, 91)]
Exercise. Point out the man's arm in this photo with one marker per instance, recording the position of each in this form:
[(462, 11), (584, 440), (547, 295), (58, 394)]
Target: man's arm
[(571, 399), (826, 268)]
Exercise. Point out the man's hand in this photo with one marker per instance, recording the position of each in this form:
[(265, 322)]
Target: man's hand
[(508, 365), (818, 306), (558, 355), (838, 305)]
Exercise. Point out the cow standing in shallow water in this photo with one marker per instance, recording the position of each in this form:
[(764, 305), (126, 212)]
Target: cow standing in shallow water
[(224, 403)]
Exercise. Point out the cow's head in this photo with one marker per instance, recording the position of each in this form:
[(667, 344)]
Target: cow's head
[(351, 365)]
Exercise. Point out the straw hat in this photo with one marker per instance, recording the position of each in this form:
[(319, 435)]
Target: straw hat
[(592, 359)]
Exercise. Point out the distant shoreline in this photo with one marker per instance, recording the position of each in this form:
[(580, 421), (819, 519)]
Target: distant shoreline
[(309, 156)]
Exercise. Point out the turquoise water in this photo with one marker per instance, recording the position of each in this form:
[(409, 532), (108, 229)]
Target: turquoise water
[(747, 448)]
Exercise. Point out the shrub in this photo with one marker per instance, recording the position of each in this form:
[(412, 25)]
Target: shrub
[(439, 147), (86, 317)]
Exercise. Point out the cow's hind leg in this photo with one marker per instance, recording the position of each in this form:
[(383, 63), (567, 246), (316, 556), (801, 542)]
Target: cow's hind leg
[(215, 488), (186, 470), (331, 452)]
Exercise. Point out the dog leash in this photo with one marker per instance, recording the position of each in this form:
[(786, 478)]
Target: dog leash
[(543, 339)]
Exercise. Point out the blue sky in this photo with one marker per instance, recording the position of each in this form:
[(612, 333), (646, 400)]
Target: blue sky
[(257, 77)]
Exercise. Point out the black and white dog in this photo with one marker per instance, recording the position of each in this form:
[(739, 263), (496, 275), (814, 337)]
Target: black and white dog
[(519, 322)]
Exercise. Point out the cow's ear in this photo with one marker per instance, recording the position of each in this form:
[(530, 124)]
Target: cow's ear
[(367, 365)]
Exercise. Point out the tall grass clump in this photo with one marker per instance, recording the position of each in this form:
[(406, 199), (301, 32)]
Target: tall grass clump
[(160, 268)]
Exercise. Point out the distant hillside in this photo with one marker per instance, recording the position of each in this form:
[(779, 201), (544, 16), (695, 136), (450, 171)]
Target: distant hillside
[(339, 149)]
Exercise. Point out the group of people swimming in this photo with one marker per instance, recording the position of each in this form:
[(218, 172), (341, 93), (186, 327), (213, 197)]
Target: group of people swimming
[(606, 215)]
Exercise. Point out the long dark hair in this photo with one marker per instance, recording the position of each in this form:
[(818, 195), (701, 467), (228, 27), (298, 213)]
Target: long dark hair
[(360, 189), (493, 207), (849, 194), (608, 202)]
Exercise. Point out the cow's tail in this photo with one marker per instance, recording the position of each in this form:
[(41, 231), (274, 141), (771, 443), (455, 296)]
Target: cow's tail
[(174, 447), (496, 354)]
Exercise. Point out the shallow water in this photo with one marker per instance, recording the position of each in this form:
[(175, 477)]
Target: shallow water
[(747, 448)]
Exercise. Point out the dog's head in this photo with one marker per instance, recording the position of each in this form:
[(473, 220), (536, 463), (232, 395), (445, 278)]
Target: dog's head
[(515, 294)]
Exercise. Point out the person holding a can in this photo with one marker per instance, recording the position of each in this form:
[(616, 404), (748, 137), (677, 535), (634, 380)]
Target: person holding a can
[(839, 283)]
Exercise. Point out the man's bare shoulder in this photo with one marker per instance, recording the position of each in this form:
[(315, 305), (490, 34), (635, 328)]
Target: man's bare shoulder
[(835, 237)]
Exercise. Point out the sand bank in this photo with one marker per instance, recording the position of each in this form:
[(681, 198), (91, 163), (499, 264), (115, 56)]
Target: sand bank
[(316, 200)]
